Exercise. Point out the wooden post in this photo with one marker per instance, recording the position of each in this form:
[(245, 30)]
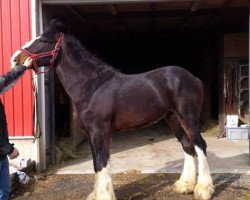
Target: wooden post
[(52, 117), (221, 87)]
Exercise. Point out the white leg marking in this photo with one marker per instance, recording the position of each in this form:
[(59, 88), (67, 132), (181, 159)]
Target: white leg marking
[(187, 181), (103, 186), (204, 188)]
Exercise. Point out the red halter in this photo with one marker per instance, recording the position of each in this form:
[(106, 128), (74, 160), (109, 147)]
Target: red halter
[(53, 53)]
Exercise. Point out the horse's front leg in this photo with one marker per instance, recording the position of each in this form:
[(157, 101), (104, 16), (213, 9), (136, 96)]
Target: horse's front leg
[(100, 145)]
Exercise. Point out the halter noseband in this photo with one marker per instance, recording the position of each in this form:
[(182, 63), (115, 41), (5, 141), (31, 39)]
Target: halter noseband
[(53, 53)]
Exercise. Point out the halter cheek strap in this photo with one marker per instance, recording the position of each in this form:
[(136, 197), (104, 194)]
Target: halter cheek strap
[(53, 53), (56, 49)]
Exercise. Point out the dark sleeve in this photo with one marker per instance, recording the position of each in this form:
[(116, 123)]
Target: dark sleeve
[(2, 83), (6, 149), (11, 76)]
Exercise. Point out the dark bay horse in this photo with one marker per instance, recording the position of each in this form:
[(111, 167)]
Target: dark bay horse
[(107, 100)]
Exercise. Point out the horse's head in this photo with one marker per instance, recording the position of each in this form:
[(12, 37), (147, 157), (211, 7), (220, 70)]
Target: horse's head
[(43, 49)]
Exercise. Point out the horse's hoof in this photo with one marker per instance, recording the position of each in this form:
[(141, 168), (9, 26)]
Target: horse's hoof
[(91, 196), (184, 186), (203, 192)]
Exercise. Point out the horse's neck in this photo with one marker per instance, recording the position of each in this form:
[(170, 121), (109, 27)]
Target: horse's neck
[(72, 81), (76, 80)]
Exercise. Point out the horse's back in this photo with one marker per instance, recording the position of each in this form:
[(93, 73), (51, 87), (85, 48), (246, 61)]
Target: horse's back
[(175, 80), (175, 75)]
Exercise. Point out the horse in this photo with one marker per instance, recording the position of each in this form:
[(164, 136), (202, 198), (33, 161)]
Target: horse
[(106, 100)]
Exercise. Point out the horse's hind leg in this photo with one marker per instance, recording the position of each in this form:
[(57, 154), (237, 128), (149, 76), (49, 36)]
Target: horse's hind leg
[(100, 145), (187, 181), (204, 188)]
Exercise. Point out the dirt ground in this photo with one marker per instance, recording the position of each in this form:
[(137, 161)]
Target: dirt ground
[(130, 185)]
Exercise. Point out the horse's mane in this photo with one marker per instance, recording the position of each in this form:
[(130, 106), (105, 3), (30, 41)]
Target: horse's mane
[(85, 61), (55, 26), (82, 53), (91, 69), (95, 70)]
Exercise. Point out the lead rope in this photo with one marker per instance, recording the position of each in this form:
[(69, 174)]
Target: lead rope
[(228, 78), (37, 127), (230, 92)]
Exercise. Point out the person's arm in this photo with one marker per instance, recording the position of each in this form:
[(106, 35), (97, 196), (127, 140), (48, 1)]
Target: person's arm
[(10, 150), (8, 80), (6, 149), (13, 74)]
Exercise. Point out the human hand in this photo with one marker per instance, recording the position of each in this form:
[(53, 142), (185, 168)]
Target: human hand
[(28, 62), (14, 154)]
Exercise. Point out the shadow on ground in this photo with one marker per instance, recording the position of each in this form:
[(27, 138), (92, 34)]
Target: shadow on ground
[(131, 186)]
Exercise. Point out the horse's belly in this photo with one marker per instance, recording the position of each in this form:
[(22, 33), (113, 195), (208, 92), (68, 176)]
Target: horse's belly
[(132, 118)]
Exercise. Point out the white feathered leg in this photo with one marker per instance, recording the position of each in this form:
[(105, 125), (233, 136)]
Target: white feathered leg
[(187, 181), (103, 186), (204, 188)]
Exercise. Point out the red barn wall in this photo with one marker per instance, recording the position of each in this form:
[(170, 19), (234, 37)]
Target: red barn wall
[(15, 30)]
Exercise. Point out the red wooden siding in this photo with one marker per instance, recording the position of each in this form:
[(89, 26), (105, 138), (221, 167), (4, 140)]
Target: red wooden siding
[(15, 30)]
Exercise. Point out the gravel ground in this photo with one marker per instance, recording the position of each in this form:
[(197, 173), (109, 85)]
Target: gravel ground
[(130, 185)]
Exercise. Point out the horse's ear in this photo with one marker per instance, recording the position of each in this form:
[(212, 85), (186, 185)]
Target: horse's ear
[(57, 26)]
